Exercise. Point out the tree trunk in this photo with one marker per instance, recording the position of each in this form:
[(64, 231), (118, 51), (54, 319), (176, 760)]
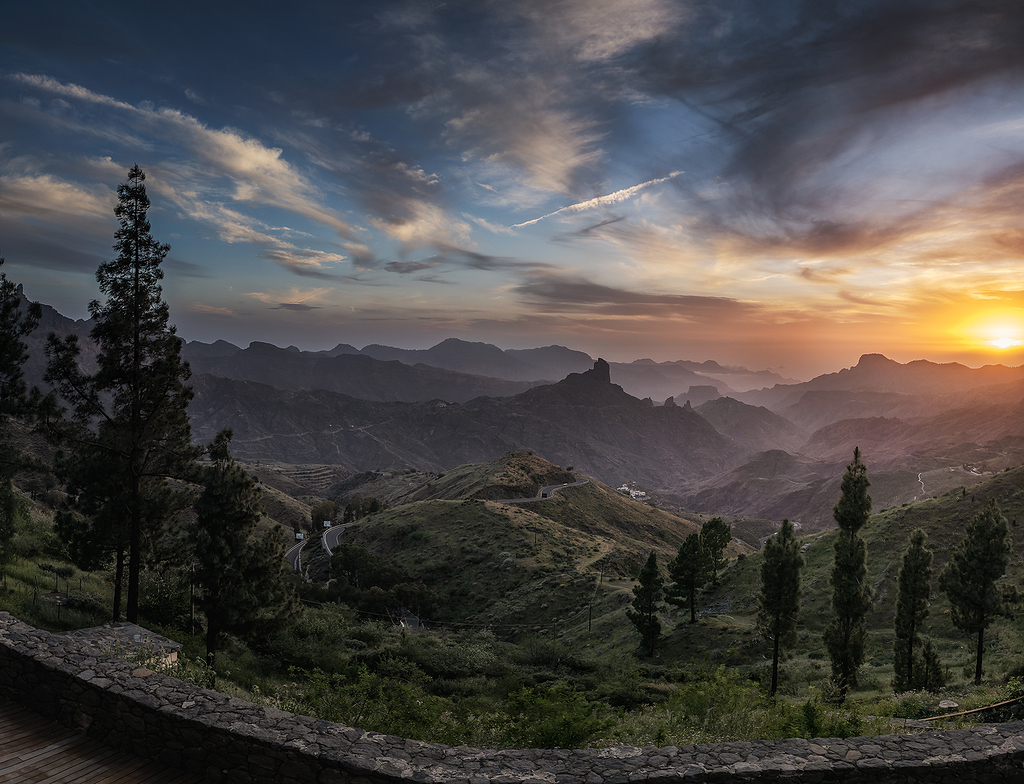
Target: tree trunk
[(118, 582), (981, 649), (775, 662), (910, 656), (134, 553), (212, 633)]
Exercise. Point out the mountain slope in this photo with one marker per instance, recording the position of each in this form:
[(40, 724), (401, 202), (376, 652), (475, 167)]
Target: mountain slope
[(936, 387), (753, 426), (584, 421), (524, 562), (485, 359)]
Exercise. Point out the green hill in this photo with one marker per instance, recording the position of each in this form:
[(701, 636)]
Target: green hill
[(730, 610), (521, 565)]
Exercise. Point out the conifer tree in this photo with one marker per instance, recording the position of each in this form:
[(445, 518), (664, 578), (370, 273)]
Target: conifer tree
[(130, 415), (14, 325), (648, 595), (972, 574), (779, 603), (689, 571), (851, 596), (929, 672), (911, 609), (241, 575), (715, 536)]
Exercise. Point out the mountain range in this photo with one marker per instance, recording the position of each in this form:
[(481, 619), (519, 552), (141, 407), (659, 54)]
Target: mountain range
[(720, 444)]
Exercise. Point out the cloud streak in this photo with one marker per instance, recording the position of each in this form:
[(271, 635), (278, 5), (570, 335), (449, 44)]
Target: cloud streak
[(600, 201)]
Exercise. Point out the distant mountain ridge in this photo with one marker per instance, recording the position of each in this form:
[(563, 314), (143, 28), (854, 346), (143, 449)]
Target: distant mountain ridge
[(526, 367), (877, 373), (583, 421), (922, 427), (357, 375)]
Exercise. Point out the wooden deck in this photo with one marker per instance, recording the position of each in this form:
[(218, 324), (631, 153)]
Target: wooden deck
[(34, 750)]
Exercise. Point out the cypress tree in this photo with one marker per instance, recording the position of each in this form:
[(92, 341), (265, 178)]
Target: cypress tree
[(972, 574), (648, 595), (851, 596), (911, 609), (131, 415), (240, 574), (689, 572), (715, 536), (779, 603)]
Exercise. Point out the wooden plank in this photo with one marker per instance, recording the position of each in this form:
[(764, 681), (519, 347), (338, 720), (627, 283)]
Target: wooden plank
[(35, 750)]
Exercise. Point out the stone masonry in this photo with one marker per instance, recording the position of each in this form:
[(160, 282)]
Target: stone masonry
[(229, 740)]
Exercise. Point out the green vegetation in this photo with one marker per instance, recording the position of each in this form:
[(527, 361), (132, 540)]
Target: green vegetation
[(915, 588), (504, 670), (237, 573), (648, 599), (779, 602), (14, 325), (715, 536), (690, 571), (971, 578), (127, 430), (851, 596)]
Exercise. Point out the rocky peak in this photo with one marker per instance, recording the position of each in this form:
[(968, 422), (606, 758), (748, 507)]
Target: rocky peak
[(601, 372)]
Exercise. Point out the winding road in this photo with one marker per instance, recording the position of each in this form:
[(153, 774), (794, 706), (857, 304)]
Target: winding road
[(329, 539), (542, 495)]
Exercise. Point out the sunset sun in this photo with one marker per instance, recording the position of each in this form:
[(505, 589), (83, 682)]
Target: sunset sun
[(994, 330), (1005, 343)]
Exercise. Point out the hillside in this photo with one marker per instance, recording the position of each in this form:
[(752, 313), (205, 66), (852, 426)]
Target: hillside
[(755, 427), (730, 609), (519, 474), (498, 561)]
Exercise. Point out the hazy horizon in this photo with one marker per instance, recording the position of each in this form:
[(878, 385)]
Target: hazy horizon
[(777, 185)]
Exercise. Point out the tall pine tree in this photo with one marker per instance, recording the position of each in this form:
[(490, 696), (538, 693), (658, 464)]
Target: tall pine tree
[(972, 574), (915, 588), (129, 416), (241, 574), (779, 603), (715, 536), (648, 595), (689, 571), (15, 324), (851, 596)]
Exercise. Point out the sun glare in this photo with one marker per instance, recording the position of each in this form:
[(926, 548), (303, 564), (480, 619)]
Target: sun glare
[(997, 330), (1005, 343)]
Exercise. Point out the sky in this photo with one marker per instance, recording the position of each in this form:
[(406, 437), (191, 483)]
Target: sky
[(782, 185)]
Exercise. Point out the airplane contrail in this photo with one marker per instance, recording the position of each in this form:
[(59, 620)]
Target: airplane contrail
[(600, 201)]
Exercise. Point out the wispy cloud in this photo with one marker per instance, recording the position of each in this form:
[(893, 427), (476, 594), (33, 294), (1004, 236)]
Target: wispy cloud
[(561, 293), (295, 299), (212, 310), (258, 174), (601, 201)]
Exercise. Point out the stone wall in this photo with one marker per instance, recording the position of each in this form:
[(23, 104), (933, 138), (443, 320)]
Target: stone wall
[(230, 740)]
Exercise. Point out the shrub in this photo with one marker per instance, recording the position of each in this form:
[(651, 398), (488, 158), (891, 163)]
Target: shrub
[(552, 717)]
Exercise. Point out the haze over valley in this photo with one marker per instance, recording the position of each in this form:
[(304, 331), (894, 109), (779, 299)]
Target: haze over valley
[(725, 440)]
